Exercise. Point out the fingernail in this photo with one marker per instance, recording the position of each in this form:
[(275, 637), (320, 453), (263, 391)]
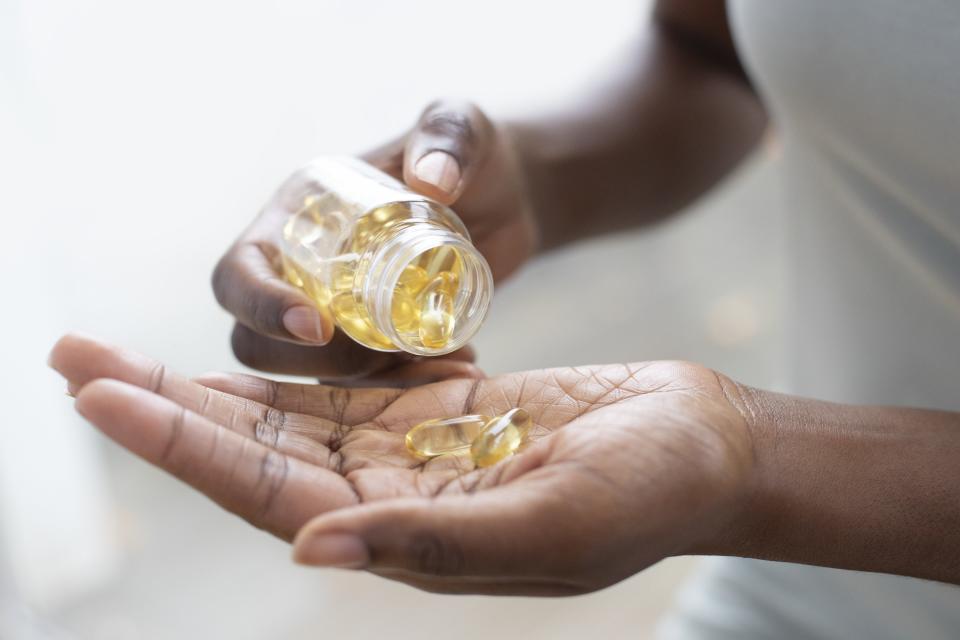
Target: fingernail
[(72, 389), (304, 323), (440, 169), (341, 550)]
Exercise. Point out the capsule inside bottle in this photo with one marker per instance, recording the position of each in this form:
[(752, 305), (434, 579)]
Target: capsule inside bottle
[(413, 279), (443, 436), (436, 310), (395, 273), (500, 437)]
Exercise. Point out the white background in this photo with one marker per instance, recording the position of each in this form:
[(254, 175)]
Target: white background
[(137, 139)]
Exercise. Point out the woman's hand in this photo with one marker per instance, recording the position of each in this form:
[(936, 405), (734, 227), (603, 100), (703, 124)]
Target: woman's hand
[(453, 154), (626, 465)]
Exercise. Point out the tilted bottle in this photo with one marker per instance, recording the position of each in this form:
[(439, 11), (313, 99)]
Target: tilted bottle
[(395, 268)]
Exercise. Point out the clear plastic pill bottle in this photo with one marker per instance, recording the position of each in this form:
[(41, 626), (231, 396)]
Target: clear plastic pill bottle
[(396, 269)]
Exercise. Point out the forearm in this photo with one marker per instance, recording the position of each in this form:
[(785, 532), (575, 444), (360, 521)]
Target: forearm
[(678, 117), (867, 488)]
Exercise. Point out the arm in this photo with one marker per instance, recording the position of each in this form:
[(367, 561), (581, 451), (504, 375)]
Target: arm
[(853, 487), (676, 119), (627, 464), (678, 115)]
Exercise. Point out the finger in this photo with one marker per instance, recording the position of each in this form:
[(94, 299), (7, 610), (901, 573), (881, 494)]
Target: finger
[(345, 362), (464, 354), (345, 405), (523, 530), (81, 359), (270, 490), (550, 587), (421, 372), (445, 148), (340, 358), (386, 409), (247, 283)]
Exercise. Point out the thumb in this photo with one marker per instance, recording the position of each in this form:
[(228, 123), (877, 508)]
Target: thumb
[(507, 532), (445, 148)]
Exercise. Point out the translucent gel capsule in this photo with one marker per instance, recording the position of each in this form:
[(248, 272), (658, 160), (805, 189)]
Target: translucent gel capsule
[(445, 281), (290, 272), (444, 435), (309, 281), (341, 275), (436, 311), (500, 438), (413, 279), (441, 260), (365, 247), (373, 223), (355, 323), (405, 312), (308, 234), (436, 321)]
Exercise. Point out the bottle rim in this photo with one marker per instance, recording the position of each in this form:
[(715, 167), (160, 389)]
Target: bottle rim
[(408, 240)]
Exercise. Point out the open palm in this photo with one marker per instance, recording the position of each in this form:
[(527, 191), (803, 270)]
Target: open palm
[(626, 464)]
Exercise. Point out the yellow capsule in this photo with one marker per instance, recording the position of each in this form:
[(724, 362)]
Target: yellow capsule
[(413, 279), (444, 435), (353, 321), (404, 311), (307, 227), (363, 230), (342, 274), (436, 320), (500, 438), (436, 311), (384, 216), (290, 271), (440, 260), (445, 281), (368, 226), (436, 328)]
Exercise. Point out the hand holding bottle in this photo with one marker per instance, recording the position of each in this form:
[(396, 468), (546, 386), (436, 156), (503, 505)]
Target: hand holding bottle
[(454, 155)]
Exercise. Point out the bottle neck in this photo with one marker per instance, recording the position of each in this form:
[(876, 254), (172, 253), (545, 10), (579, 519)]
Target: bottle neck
[(402, 244)]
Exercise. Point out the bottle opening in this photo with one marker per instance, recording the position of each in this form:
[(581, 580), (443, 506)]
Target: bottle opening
[(431, 289)]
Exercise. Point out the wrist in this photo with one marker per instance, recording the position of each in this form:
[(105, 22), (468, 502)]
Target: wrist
[(736, 523), (867, 488)]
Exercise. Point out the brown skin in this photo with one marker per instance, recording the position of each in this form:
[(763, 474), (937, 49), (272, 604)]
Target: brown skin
[(489, 198), (856, 487), (628, 464), (675, 119)]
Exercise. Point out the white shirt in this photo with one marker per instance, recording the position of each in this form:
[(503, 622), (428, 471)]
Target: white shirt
[(865, 95)]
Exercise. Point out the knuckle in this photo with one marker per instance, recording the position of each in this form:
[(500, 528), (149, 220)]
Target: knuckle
[(432, 555), (156, 376), (266, 434), (276, 418), (176, 430), (274, 468)]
